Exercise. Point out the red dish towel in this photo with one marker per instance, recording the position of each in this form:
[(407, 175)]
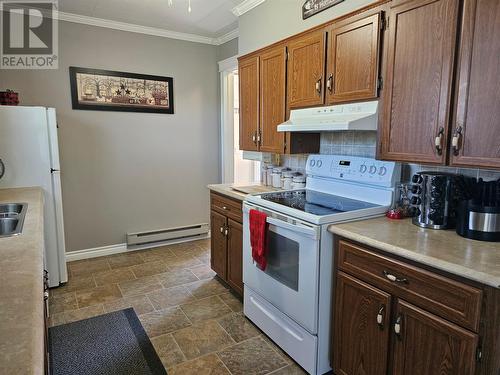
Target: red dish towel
[(258, 237)]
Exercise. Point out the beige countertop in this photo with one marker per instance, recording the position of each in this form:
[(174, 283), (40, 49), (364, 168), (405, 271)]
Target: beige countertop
[(227, 190), (441, 249), (21, 295)]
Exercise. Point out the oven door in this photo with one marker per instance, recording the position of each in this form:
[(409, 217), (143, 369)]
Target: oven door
[(290, 280)]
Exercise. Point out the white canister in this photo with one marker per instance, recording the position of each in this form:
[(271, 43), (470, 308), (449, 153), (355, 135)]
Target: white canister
[(286, 179), (269, 172), (276, 176), (286, 183), (298, 181)]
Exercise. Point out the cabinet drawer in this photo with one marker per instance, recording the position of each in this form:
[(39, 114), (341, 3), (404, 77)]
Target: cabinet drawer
[(227, 207), (445, 297)]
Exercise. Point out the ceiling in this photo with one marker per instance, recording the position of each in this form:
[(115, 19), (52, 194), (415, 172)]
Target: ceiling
[(208, 18)]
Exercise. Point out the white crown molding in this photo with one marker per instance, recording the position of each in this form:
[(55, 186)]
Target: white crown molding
[(246, 6), (227, 37), (133, 28)]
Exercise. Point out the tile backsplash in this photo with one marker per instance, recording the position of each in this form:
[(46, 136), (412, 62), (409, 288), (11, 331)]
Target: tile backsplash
[(363, 143)]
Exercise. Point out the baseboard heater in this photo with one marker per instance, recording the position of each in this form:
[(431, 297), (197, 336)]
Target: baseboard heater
[(141, 238)]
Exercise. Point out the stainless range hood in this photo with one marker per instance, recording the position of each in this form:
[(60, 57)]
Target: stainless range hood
[(356, 116)]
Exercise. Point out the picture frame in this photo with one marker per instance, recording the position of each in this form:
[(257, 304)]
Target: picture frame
[(312, 7), (108, 90)]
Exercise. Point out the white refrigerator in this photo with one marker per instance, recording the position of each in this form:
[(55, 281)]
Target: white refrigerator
[(30, 153)]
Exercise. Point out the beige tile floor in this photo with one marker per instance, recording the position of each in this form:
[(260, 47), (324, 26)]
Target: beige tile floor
[(194, 322)]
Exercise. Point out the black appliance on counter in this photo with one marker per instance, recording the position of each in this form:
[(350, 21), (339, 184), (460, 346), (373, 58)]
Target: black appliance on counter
[(435, 198), (479, 217)]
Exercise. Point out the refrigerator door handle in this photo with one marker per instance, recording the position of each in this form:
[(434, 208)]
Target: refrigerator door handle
[(52, 170), (2, 168)]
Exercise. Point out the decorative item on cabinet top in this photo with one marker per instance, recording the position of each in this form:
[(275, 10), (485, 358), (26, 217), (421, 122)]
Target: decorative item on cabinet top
[(312, 7), (105, 90)]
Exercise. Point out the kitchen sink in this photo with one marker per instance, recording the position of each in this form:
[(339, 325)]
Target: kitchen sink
[(12, 218)]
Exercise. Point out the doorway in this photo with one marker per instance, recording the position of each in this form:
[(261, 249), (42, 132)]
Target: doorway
[(235, 168)]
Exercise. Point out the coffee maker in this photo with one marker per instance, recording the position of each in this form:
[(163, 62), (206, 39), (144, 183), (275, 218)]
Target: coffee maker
[(479, 217)]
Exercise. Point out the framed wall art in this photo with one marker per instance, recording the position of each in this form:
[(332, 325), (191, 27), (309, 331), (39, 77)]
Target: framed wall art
[(106, 90), (312, 7)]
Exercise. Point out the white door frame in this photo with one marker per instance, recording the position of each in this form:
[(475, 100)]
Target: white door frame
[(226, 67)]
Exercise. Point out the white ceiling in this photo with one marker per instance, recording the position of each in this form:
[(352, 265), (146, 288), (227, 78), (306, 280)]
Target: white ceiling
[(208, 18)]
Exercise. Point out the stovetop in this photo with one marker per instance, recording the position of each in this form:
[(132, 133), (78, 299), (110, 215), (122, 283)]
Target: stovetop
[(315, 202)]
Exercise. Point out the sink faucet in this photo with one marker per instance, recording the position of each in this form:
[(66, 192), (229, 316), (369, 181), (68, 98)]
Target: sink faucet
[(2, 168)]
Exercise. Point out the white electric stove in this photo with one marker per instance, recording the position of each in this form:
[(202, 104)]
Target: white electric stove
[(291, 299)]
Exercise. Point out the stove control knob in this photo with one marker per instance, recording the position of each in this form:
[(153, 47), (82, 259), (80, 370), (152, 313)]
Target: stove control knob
[(382, 171), (416, 179), (415, 189), (319, 163), (373, 169), (312, 163), (363, 168)]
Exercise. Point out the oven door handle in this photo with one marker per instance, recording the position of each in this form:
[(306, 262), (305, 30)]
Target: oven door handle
[(310, 232)]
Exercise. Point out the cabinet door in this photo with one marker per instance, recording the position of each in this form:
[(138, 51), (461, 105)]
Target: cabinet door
[(353, 60), (417, 92), (362, 326), (272, 99), (478, 103), (218, 249), (427, 344), (306, 70), (248, 74), (235, 256)]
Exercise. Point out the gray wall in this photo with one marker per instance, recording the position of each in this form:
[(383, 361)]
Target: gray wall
[(274, 20), (228, 49), (123, 171)]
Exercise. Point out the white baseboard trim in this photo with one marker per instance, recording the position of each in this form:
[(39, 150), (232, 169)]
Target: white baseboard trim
[(122, 248)]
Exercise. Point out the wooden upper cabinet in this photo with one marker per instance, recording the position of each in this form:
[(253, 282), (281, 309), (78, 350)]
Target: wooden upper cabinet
[(417, 89), (427, 344), (306, 70), (248, 74), (477, 119), (353, 60), (362, 326), (272, 99)]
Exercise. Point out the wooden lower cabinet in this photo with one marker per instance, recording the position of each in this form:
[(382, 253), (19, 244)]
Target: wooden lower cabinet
[(362, 327), (376, 331), (427, 344), (235, 256), (227, 240), (218, 246)]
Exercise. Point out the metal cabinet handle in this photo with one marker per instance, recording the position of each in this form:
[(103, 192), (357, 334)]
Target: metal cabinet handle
[(226, 231), (222, 229), (393, 278), (397, 326), (329, 83), (2, 168), (254, 137), (318, 86), (380, 317), (438, 141), (224, 208), (259, 136), (455, 141)]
